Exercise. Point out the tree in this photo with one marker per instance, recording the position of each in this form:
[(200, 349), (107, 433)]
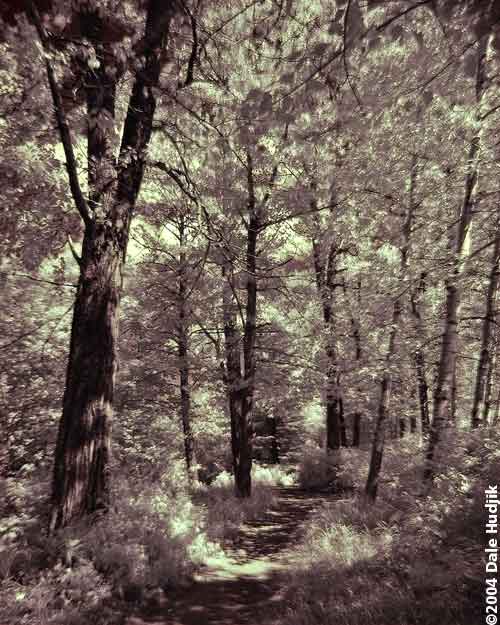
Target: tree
[(449, 342), (82, 456)]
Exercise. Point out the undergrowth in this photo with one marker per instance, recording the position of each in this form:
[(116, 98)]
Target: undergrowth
[(409, 559), (152, 540), (225, 512)]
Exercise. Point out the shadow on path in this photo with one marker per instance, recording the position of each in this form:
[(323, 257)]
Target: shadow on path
[(245, 588)]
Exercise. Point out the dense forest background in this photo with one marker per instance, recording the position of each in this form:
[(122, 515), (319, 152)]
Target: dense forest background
[(245, 246)]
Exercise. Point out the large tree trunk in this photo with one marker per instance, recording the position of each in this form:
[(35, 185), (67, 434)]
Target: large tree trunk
[(82, 455), (81, 462), (449, 343), (485, 359)]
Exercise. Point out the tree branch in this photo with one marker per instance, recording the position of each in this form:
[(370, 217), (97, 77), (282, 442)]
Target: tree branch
[(62, 123)]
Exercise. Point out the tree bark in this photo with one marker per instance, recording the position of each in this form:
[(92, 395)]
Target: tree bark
[(81, 463), (356, 429), (491, 375), (241, 366), (371, 487)]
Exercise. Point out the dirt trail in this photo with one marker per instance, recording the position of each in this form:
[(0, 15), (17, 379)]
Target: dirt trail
[(245, 588)]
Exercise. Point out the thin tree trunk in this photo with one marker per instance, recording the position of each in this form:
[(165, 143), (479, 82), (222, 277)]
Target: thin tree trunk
[(485, 360), (497, 410), (449, 344), (454, 392), (324, 270), (377, 454), (183, 349), (491, 375), (356, 429), (419, 357), (356, 335), (343, 431), (402, 427), (272, 429)]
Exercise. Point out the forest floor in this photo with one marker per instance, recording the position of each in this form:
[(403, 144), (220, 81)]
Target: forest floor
[(247, 586)]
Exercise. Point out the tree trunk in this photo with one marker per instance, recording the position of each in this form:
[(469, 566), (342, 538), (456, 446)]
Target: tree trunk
[(371, 487), (241, 367), (485, 360), (272, 430), (423, 391), (491, 375), (183, 348), (356, 335), (496, 414), (449, 343), (325, 271), (240, 436), (453, 400), (356, 429), (81, 462), (343, 430), (419, 357)]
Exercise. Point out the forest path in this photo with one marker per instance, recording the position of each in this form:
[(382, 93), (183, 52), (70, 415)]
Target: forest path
[(246, 587)]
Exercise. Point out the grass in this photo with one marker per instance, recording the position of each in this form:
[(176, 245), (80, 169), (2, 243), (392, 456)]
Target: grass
[(408, 559)]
